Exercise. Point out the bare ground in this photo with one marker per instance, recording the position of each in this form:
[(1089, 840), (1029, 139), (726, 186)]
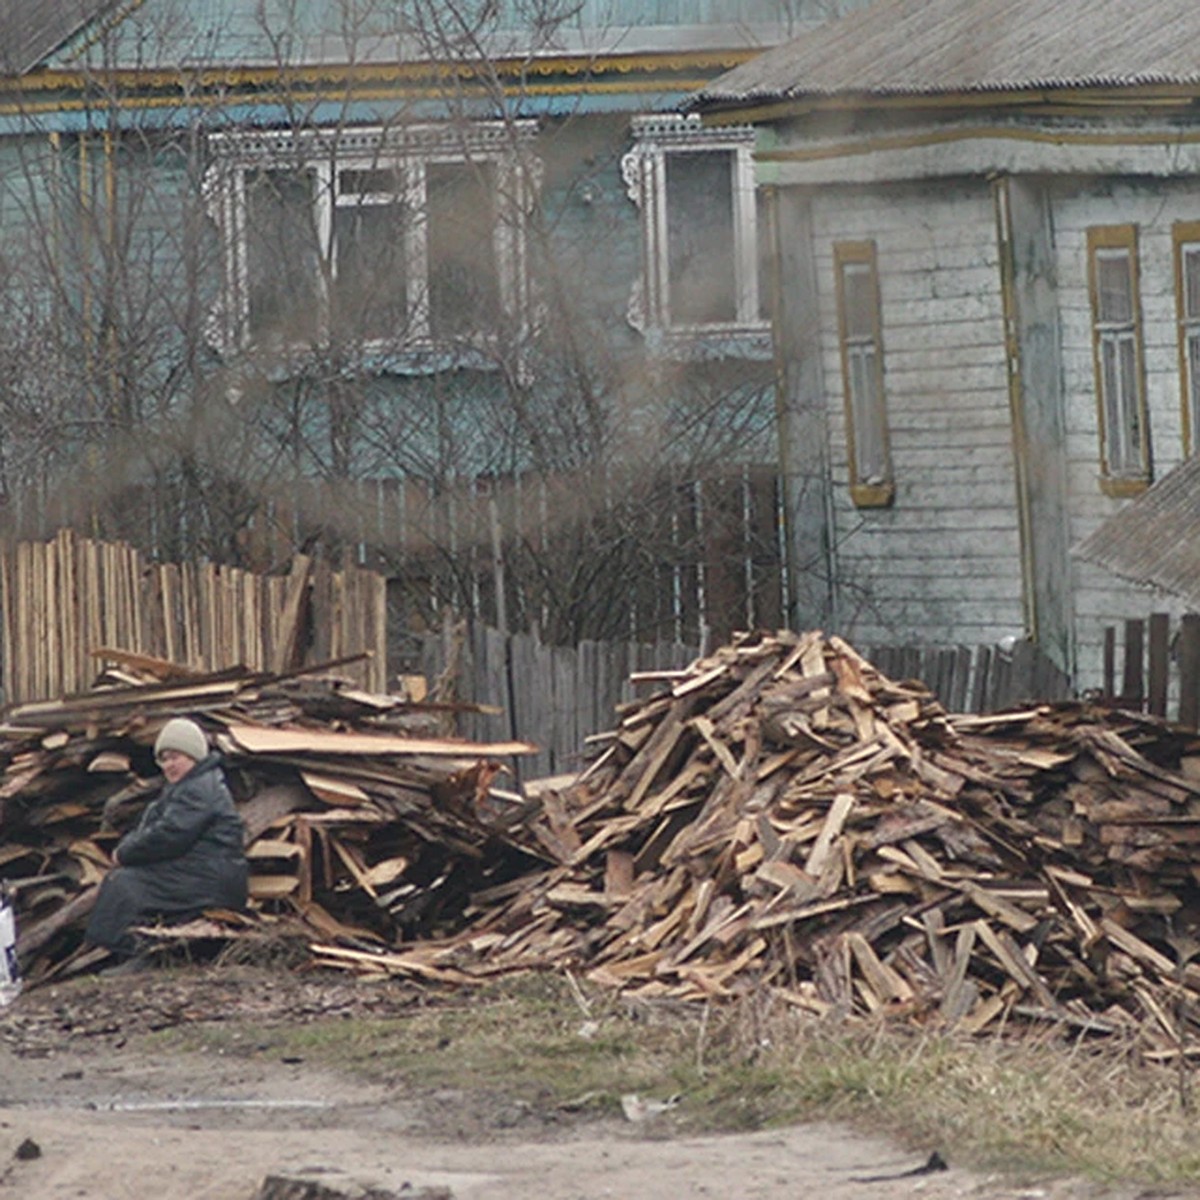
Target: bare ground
[(88, 1110)]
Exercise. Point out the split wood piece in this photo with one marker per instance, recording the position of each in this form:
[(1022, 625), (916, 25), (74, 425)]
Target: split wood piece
[(256, 740), (819, 854), (706, 729), (413, 963), (161, 670), (884, 986), (31, 938)]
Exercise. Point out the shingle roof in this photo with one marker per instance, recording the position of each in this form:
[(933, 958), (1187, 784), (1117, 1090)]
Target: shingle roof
[(898, 47), (30, 30), (1156, 538)]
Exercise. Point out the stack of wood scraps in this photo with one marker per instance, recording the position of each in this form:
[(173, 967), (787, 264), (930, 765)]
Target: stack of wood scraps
[(353, 832), (782, 815)]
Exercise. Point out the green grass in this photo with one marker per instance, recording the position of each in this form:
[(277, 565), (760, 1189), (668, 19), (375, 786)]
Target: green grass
[(1032, 1103)]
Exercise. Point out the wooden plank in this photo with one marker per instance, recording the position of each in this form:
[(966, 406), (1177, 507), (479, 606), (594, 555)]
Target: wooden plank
[(839, 810), (1159, 661), (256, 739), (982, 679), (1133, 691), (1189, 671), (7, 616)]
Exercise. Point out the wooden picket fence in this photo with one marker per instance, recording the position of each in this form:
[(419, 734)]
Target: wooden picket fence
[(979, 679), (558, 696), (1159, 671), (68, 598), (554, 696)]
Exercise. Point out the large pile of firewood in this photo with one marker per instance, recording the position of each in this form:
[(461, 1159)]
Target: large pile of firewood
[(778, 815), (782, 815)]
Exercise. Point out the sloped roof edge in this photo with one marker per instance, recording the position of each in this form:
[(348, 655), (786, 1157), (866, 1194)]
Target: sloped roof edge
[(31, 32), (1155, 539), (937, 47)]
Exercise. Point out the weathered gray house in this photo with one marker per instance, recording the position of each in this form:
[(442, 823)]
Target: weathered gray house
[(987, 248)]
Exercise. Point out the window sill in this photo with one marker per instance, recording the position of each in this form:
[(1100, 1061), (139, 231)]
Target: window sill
[(873, 495), (705, 343), (281, 363), (1123, 488)]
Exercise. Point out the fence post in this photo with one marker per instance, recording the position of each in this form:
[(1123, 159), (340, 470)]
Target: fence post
[(1189, 671), (1133, 693), (981, 687), (1160, 634)]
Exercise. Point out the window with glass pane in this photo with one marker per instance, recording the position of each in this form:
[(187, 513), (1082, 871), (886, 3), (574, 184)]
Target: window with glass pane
[(862, 366), (701, 257), (1118, 352), (464, 277), (282, 259), (371, 278), (1187, 281)]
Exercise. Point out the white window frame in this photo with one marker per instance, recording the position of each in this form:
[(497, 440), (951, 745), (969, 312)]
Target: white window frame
[(644, 169), (407, 151), (1121, 409)]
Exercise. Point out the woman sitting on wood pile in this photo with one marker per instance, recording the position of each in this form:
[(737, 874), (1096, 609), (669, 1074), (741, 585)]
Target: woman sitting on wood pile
[(185, 854)]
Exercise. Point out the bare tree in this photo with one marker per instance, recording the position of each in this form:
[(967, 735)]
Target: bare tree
[(391, 330)]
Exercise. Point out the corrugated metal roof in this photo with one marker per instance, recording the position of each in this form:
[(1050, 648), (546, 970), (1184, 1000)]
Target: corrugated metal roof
[(898, 47), (29, 32), (1156, 538)]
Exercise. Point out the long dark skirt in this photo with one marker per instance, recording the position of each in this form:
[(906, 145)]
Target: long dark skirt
[(133, 895)]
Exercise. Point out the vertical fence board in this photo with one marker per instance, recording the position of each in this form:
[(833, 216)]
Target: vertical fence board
[(66, 598), (1189, 671), (1133, 678), (1160, 649)]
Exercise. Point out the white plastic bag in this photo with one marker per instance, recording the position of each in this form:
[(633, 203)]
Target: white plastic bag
[(10, 972)]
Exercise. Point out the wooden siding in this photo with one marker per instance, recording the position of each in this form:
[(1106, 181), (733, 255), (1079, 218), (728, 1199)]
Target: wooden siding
[(945, 556), (1102, 599), (248, 32)]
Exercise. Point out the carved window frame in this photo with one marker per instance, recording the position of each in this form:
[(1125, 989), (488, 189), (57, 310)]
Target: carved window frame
[(861, 351), (1118, 359), (644, 169), (407, 151)]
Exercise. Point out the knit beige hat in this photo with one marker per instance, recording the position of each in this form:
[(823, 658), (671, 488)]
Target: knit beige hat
[(183, 735)]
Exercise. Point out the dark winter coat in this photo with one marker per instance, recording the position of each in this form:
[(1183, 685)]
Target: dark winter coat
[(184, 856)]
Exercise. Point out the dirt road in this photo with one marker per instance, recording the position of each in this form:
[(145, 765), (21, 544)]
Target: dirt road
[(87, 1116)]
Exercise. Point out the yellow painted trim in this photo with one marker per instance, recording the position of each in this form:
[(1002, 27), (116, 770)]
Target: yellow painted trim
[(130, 79), (873, 495), (613, 75), (1052, 100), (1001, 205), (123, 104), (1184, 233), (1122, 489), (1123, 237), (968, 133)]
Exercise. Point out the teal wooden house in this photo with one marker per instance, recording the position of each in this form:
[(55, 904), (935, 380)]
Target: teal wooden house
[(447, 285)]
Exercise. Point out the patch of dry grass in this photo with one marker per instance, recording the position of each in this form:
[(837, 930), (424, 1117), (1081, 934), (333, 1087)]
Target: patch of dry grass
[(1033, 1101)]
